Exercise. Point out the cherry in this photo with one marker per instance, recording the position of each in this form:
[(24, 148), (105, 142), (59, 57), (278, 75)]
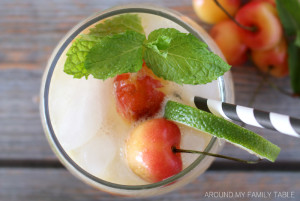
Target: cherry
[(226, 35), (137, 94), (263, 17), (209, 12), (273, 61), (150, 152)]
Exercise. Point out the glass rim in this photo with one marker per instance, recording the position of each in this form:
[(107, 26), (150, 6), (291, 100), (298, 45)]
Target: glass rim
[(58, 51)]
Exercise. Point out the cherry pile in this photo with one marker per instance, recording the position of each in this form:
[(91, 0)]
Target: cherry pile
[(253, 31)]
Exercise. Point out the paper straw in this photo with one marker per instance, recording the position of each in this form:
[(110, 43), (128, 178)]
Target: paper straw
[(279, 122)]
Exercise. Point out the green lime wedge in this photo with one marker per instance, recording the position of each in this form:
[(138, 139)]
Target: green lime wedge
[(221, 128)]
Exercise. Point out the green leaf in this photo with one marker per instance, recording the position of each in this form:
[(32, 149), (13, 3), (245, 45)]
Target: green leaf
[(288, 11), (294, 67), (182, 58), (169, 32), (117, 25), (117, 54), (159, 40), (74, 64), (297, 41)]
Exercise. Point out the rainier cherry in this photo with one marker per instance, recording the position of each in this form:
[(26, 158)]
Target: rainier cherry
[(149, 150), (226, 35), (269, 1), (263, 17), (273, 60), (138, 94), (209, 12)]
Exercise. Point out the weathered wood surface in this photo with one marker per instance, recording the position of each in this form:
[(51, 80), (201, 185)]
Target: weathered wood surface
[(29, 31), (60, 185)]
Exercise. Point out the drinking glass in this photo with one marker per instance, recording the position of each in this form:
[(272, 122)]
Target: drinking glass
[(224, 92)]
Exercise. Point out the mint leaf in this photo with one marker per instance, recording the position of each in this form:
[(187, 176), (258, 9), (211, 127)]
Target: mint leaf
[(168, 32), (182, 58), (288, 11), (294, 67), (117, 54), (159, 40), (117, 25), (74, 64)]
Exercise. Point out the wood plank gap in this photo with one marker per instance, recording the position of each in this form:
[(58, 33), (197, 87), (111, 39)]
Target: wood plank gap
[(282, 166), (30, 163)]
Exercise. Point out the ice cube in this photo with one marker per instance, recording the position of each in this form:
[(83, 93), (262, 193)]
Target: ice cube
[(96, 155), (119, 172), (194, 140), (77, 107)]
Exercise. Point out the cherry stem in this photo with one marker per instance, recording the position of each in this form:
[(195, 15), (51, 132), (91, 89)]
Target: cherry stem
[(253, 28), (284, 92), (175, 150), (279, 89), (256, 92)]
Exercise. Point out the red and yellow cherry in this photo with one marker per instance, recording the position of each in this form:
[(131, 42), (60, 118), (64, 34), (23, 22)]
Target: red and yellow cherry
[(262, 16), (149, 150), (269, 1), (273, 61), (137, 95), (226, 35), (209, 12)]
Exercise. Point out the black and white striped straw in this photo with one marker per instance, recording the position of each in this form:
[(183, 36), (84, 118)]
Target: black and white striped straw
[(279, 122)]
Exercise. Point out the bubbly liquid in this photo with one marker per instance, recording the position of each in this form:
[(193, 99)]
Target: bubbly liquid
[(87, 125)]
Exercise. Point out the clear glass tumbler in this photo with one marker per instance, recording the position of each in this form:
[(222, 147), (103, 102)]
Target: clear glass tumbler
[(224, 89)]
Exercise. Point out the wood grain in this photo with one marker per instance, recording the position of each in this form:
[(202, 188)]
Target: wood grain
[(29, 31), (29, 171), (60, 185)]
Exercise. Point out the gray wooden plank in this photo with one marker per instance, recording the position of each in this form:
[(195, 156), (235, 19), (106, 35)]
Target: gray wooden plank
[(34, 28), (60, 185), (20, 126), (29, 30)]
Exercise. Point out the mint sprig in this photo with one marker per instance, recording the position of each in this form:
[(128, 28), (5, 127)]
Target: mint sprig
[(119, 46), (74, 64), (117, 54), (182, 58)]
